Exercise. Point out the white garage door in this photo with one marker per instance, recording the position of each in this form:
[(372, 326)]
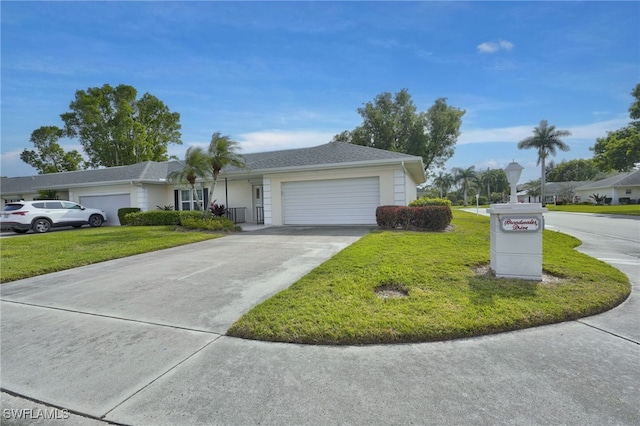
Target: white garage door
[(109, 203), (331, 202)]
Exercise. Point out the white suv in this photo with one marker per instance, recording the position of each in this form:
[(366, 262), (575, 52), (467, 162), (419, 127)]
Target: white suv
[(42, 215)]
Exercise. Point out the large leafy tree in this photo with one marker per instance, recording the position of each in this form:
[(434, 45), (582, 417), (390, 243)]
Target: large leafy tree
[(194, 166), (392, 122), (222, 152), (465, 178), (573, 170), (48, 156), (546, 140), (620, 149), (117, 129)]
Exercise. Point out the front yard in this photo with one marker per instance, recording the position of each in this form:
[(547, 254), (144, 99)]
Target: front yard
[(389, 287), (30, 255), (392, 287)]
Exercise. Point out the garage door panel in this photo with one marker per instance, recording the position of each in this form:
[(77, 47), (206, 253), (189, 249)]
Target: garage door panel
[(110, 204), (331, 202)]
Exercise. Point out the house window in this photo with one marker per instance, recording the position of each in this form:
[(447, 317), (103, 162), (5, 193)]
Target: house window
[(627, 192), (188, 199)]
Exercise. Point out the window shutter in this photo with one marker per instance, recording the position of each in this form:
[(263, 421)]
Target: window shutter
[(176, 199), (205, 197)]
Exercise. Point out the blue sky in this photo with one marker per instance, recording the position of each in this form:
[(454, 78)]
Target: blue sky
[(277, 75)]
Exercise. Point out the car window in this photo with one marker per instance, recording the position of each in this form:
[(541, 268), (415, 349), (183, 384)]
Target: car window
[(38, 205), (68, 205), (54, 205), (12, 207)]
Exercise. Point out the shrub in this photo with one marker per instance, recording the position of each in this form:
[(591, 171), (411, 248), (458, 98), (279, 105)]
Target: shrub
[(430, 202), (432, 218), (209, 223), (153, 218), (624, 200), (123, 212), (482, 200), (427, 218)]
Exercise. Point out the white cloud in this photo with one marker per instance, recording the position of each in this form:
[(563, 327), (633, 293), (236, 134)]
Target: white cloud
[(517, 133), (493, 47)]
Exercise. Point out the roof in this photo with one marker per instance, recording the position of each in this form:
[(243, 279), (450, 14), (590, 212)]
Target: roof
[(333, 154), (623, 179)]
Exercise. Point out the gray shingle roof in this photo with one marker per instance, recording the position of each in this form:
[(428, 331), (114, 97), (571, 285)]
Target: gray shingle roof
[(333, 153), (623, 179)]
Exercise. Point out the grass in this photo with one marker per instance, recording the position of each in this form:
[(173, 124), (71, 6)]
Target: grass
[(31, 255), (630, 210), (447, 299)]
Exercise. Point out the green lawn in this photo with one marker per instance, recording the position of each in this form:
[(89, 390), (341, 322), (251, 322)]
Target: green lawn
[(631, 209), (447, 298), (31, 255)]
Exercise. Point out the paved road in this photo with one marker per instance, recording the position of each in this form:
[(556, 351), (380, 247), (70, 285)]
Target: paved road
[(100, 360)]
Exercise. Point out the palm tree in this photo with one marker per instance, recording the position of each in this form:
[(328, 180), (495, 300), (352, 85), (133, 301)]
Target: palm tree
[(443, 182), (222, 152), (194, 166), (533, 188), (465, 178), (546, 139)]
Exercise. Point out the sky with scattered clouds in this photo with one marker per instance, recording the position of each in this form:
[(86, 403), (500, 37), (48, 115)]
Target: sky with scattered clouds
[(278, 75)]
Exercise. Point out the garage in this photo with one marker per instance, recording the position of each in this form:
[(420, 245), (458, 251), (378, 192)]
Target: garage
[(109, 203), (331, 202)]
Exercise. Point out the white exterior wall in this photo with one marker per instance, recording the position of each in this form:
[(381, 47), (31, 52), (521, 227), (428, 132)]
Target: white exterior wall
[(399, 188), (267, 201), (614, 193), (239, 194), (273, 189), (156, 195)]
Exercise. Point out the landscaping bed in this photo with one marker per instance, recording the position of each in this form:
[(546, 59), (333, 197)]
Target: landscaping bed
[(403, 286)]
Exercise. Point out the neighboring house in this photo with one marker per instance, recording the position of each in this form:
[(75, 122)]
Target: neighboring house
[(621, 189), (336, 183), (554, 192)]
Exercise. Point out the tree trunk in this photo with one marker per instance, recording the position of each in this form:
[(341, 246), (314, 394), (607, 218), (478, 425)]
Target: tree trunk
[(542, 185)]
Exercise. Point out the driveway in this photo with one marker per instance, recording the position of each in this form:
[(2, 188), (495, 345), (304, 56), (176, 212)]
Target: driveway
[(86, 339), (144, 364)]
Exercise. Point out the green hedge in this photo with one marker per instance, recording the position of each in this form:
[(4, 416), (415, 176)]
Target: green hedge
[(124, 211), (426, 218), (210, 224), (188, 219), (160, 217), (430, 202)]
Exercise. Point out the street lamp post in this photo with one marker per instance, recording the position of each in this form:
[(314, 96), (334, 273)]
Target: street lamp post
[(513, 171)]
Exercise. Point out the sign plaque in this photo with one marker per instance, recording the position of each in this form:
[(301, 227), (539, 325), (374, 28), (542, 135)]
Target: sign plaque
[(520, 223)]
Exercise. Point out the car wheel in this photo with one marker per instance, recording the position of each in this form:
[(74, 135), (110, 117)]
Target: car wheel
[(41, 225), (20, 231), (95, 221)]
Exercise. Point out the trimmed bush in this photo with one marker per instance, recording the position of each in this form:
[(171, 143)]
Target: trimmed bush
[(124, 211), (424, 218), (430, 202), (153, 218), (209, 224), (188, 218)]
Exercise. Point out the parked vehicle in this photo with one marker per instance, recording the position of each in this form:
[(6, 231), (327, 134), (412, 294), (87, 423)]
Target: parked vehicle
[(42, 215)]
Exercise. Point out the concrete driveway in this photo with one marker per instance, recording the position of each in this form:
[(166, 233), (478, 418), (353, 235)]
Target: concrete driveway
[(87, 339), (164, 360)]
